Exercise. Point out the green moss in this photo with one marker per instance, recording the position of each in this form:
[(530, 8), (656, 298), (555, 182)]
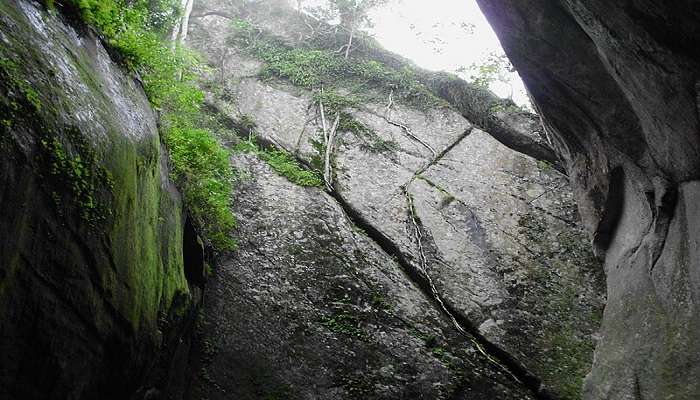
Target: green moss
[(359, 388), (346, 324), (23, 89), (200, 165), (70, 160), (504, 105), (545, 165), (566, 338), (372, 142), (92, 175), (313, 68), (75, 166), (380, 302), (247, 123), (282, 162)]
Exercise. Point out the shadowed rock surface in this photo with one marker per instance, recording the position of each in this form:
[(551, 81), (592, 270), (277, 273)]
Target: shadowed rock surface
[(617, 86), (495, 232), (309, 307), (92, 283)]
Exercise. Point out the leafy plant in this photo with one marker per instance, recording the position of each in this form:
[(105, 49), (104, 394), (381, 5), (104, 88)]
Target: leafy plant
[(201, 169), (136, 29), (282, 162), (495, 68), (80, 172), (313, 68)]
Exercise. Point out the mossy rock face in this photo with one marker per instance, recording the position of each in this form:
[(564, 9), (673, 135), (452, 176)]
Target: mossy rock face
[(452, 190), (91, 252)]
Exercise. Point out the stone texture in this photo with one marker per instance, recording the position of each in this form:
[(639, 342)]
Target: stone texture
[(496, 231), (87, 297), (309, 307), (616, 84)]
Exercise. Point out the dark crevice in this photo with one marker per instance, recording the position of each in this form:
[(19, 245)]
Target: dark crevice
[(444, 152), (612, 210), (501, 357), (193, 255), (664, 214), (529, 380)]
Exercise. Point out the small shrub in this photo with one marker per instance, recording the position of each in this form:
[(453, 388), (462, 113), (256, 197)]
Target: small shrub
[(313, 68), (283, 163), (200, 167)]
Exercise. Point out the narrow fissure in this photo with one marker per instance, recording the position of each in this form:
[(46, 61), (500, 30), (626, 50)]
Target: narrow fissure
[(461, 323), (422, 280)]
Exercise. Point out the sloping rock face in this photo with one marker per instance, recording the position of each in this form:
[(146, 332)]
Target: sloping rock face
[(310, 308), (92, 282), (489, 235), (617, 85)]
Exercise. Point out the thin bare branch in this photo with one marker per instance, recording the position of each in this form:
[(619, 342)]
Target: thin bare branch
[(407, 130)]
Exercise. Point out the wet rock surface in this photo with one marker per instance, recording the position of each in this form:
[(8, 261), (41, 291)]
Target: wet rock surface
[(617, 86), (492, 233), (92, 283)]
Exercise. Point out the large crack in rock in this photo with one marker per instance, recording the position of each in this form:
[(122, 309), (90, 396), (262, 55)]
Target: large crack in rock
[(500, 232), (309, 307)]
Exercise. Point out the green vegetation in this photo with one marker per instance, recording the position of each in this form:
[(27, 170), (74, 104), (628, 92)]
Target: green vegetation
[(313, 68), (200, 168), (333, 103), (80, 171), (431, 343), (545, 165), (571, 318), (71, 162), (346, 324), (202, 171), (447, 197), (495, 68), (372, 142), (10, 75), (282, 162), (380, 302), (358, 387)]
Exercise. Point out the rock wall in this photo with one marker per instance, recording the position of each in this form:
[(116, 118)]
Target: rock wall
[(617, 84), (309, 307), (92, 284), (487, 236)]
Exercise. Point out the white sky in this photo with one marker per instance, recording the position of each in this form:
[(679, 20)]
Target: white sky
[(433, 35), (440, 35)]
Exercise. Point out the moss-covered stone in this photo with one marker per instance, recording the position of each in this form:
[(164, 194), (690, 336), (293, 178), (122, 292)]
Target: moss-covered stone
[(91, 256)]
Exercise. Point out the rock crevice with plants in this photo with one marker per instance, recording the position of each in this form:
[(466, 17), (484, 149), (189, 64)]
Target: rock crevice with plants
[(488, 237), (217, 199)]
